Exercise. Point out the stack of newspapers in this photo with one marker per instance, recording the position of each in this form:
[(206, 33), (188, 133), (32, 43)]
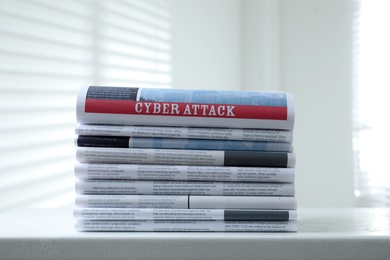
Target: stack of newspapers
[(184, 160)]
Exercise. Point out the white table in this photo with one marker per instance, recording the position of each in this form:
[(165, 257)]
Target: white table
[(327, 233)]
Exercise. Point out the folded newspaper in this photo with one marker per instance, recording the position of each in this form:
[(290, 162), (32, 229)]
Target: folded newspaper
[(184, 107)]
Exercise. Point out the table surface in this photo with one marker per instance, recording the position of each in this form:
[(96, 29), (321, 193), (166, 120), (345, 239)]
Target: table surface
[(327, 233)]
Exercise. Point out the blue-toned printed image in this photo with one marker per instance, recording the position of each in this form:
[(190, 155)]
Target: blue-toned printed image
[(214, 97), (200, 144)]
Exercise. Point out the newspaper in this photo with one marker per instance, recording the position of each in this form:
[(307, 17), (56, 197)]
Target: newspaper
[(184, 214), (184, 188), (185, 226), (185, 157), (269, 135), (183, 172), (183, 107), (186, 202), (180, 143)]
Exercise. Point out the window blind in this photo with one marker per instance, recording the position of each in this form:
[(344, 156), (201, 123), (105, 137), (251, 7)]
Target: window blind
[(48, 49), (371, 120)]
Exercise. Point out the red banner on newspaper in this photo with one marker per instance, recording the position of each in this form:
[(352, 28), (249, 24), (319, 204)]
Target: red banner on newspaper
[(185, 109)]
